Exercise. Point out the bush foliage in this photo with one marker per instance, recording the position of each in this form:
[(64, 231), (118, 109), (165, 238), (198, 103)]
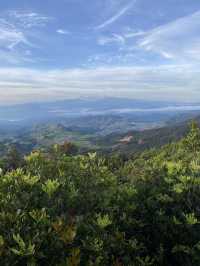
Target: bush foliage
[(60, 209)]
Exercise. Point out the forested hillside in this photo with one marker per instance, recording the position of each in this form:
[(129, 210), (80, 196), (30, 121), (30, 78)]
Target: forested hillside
[(104, 134), (57, 208), (82, 131), (137, 141)]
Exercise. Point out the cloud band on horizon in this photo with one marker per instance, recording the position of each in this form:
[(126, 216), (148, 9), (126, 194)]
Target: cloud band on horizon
[(19, 85)]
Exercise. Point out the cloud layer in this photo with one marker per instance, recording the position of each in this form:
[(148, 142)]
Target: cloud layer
[(167, 83)]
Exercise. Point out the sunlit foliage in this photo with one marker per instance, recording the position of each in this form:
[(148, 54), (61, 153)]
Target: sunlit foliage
[(64, 209)]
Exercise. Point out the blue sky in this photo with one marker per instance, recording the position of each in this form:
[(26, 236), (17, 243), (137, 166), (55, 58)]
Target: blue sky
[(144, 49)]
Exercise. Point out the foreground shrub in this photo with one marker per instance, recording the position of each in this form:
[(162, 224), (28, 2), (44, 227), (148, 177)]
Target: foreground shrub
[(74, 210)]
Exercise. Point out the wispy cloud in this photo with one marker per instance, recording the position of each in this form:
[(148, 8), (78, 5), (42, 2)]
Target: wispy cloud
[(132, 33), (63, 32), (114, 38), (114, 18), (178, 82), (179, 39), (28, 19), (15, 39), (10, 36)]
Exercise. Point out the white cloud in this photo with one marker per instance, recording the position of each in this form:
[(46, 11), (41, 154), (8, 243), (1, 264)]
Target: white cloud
[(132, 33), (10, 36), (179, 39), (180, 82), (114, 38), (61, 31), (114, 18), (27, 19), (15, 35)]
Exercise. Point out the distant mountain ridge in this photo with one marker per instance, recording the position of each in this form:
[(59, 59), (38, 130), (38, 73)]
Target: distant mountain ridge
[(98, 127), (26, 114)]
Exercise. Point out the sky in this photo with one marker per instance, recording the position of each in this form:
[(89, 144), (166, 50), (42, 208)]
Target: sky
[(139, 49)]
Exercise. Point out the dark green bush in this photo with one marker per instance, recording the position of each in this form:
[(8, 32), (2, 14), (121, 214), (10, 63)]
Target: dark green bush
[(90, 210)]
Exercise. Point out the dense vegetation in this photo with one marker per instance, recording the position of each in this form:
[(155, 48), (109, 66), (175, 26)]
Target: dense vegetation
[(96, 133), (58, 208), (145, 139)]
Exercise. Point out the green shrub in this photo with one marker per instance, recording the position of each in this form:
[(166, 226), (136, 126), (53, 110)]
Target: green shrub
[(91, 210)]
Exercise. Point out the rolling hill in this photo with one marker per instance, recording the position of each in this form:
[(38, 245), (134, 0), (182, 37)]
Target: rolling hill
[(102, 133), (137, 141)]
